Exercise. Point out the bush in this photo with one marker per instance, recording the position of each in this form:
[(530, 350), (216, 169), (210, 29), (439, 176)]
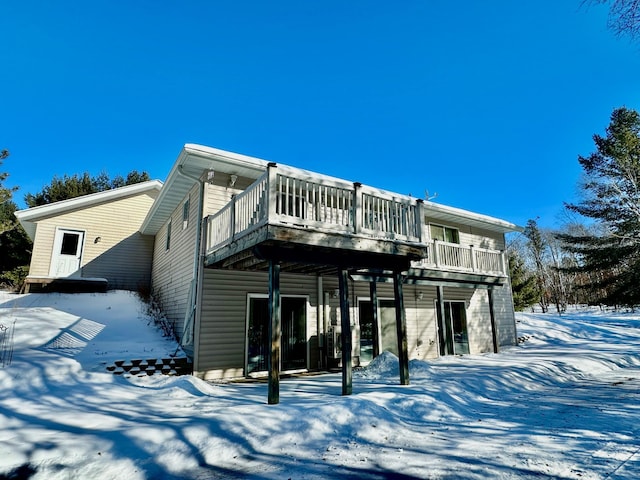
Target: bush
[(14, 279)]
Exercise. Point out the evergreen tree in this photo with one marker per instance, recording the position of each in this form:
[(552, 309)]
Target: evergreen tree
[(77, 185), (537, 249), (6, 194), (524, 285), (611, 197)]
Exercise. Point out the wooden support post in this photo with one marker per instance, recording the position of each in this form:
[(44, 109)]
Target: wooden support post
[(436, 254), (345, 323), (272, 190), (373, 293), (357, 207), (472, 257), (401, 328), (273, 360), (420, 230), (442, 329), (492, 315), (232, 219)]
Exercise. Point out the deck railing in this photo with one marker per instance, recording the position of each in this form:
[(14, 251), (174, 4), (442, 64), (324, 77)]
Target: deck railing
[(456, 257), (287, 196)]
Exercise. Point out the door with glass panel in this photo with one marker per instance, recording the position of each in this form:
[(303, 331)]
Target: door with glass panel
[(293, 342), (452, 329)]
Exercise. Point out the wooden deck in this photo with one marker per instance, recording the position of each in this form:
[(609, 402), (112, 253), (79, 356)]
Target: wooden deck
[(311, 222)]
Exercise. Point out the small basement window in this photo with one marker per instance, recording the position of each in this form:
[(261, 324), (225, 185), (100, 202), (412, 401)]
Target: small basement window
[(168, 244), (185, 214)]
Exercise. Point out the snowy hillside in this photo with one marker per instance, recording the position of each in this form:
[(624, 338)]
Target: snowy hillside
[(565, 405)]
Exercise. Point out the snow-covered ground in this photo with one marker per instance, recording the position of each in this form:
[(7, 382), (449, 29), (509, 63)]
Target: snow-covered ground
[(565, 404)]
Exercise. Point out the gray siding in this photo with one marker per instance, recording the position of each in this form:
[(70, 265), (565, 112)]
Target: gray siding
[(222, 328), (173, 267)]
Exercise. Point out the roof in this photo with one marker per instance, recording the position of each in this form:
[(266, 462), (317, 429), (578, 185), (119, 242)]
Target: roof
[(442, 212), (30, 216), (192, 162)]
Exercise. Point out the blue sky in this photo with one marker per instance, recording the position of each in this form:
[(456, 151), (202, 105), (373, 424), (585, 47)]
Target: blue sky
[(487, 103)]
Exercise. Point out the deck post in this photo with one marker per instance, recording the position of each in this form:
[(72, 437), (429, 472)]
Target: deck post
[(345, 323), (373, 293), (401, 327), (436, 254), (357, 207), (420, 233), (472, 258), (232, 219), (272, 191), (273, 360), (492, 316), (442, 329)]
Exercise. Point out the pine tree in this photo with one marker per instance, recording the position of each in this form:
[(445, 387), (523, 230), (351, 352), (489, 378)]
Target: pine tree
[(611, 197), (77, 185), (524, 285)]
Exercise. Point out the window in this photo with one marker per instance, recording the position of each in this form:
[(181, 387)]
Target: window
[(168, 236), (444, 234), (452, 329), (185, 214), (70, 243)]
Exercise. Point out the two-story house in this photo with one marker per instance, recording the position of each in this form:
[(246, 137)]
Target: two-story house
[(263, 269)]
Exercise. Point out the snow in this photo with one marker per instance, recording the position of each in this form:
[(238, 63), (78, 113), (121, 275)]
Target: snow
[(565, 404)]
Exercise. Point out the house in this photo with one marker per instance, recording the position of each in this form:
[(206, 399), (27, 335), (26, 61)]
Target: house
[(262, 268), (92, 241)]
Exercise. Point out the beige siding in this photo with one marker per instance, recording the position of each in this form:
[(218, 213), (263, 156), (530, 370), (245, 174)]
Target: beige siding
[(222, 330), (505, 316), (172, 271), (113, 247)]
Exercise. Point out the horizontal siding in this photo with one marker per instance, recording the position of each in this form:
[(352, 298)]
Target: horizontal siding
[(173, 268), (505, 316), (113, 247), (221, 333)]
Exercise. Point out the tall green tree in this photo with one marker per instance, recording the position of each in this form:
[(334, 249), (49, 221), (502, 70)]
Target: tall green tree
[(6, 194), (15, 246), (77, 185), (524, 285), (611, 198)]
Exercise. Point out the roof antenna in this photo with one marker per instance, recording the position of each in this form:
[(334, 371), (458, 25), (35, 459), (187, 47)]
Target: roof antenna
[(430, 197)]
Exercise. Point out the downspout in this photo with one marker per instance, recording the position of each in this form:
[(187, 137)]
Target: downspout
[(190, 314)]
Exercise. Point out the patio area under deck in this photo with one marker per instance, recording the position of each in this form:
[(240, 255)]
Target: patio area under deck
[(296, 221)]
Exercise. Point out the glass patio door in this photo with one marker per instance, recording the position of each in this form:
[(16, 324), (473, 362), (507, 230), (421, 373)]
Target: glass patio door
[(454, 338), (293, 343)]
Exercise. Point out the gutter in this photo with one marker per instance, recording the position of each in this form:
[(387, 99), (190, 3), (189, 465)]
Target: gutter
[(189, 321)]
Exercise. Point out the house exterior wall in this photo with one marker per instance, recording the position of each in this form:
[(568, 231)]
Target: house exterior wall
[(221, 337), (173, 268), (113, 248)]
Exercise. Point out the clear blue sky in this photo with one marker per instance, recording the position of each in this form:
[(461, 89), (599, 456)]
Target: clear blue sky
[(488, 103)]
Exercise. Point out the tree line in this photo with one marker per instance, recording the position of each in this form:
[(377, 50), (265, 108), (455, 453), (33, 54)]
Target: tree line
[(594, 258)]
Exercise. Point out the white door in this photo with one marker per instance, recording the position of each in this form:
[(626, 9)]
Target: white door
[(67, 253)]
